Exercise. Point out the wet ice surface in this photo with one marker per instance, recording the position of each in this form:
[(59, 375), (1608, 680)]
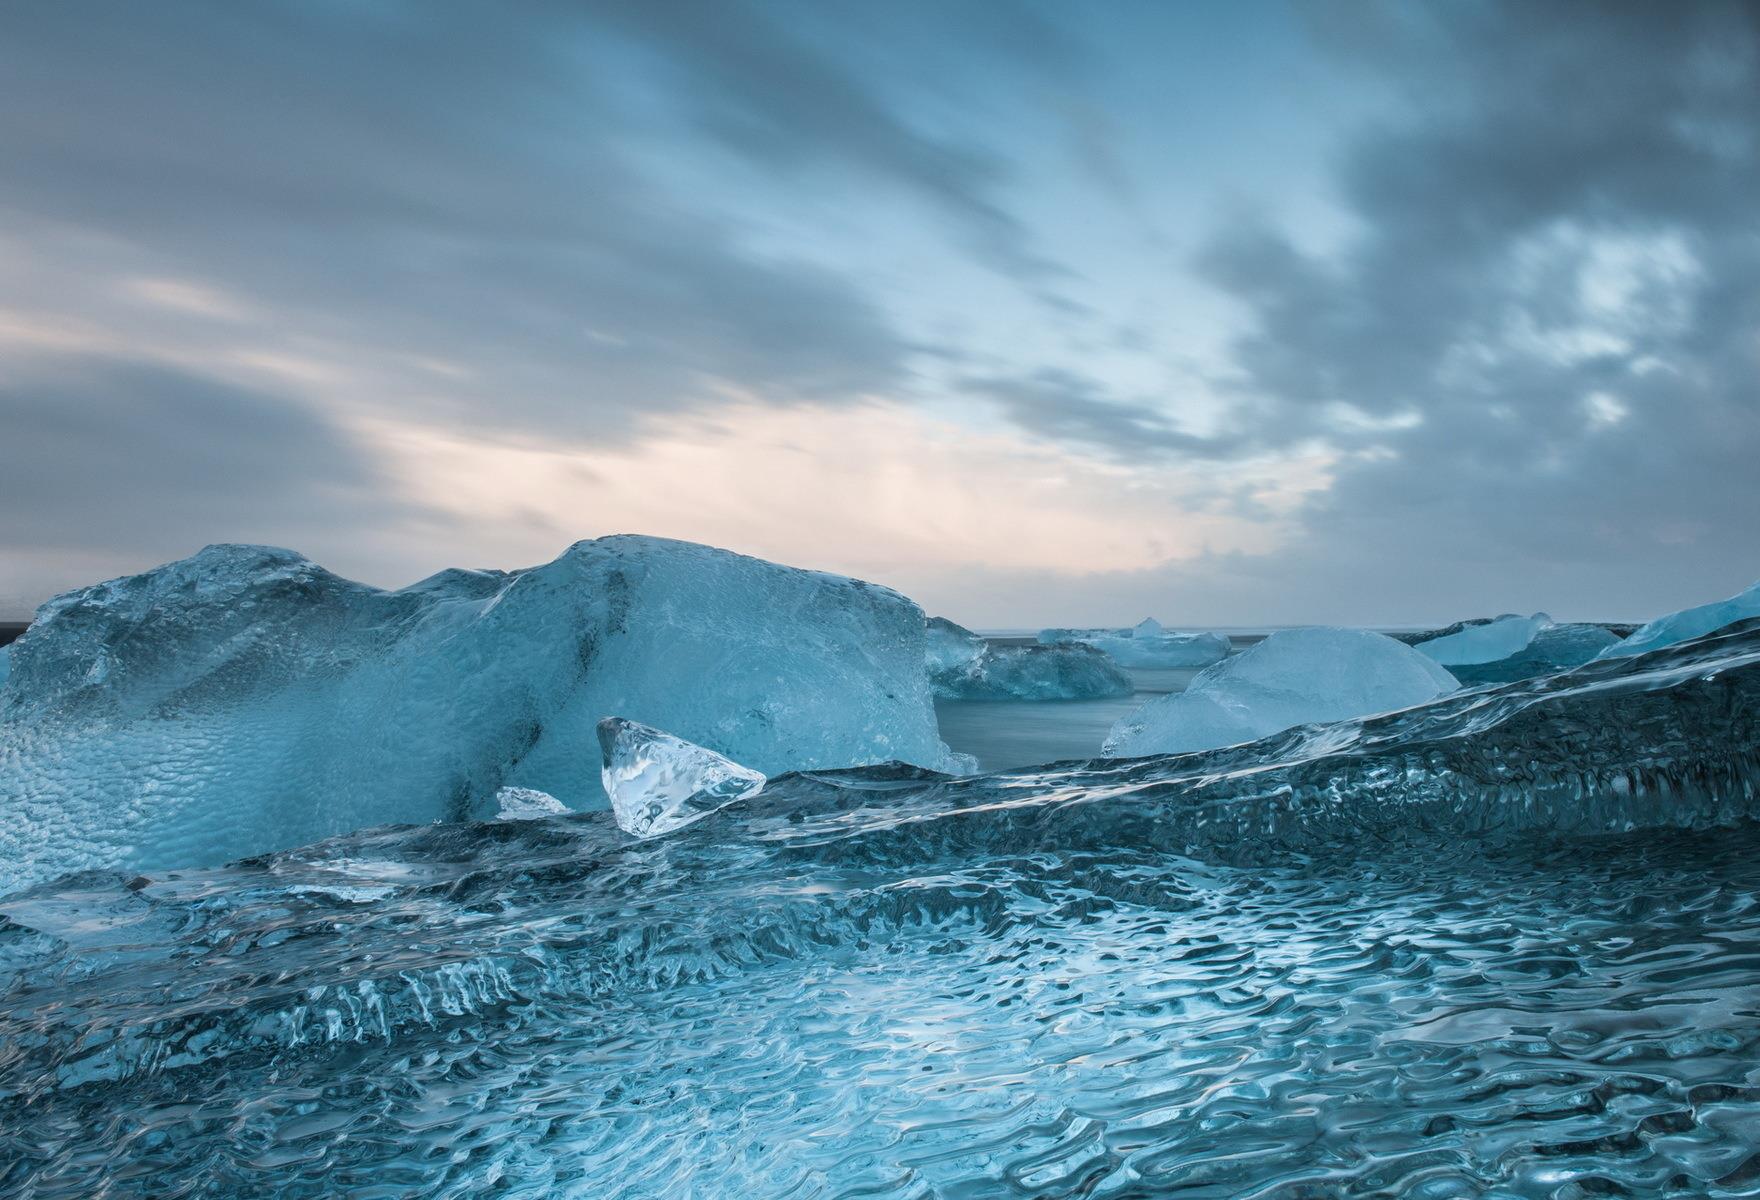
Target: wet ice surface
[(1342, 962)]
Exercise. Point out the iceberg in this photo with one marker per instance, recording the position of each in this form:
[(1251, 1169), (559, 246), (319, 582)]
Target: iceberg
[(1483, 643), (1511, 647), (658, 783), (964, 666), (1554, 648), (527, 804), (1147, 645), (1293, 677), (246, 699), (1688, 623)]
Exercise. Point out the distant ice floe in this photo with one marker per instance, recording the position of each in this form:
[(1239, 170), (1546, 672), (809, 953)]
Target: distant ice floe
[(964, 666), (1293, 677)]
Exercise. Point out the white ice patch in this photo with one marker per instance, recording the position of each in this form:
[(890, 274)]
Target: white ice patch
[(526, 804)]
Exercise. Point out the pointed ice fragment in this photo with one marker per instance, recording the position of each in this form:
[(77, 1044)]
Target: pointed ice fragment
[(658, 783), (527, 804)]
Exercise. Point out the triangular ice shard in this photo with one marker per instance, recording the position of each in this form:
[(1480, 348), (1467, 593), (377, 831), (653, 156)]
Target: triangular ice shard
[(527, 804), (658, 783)]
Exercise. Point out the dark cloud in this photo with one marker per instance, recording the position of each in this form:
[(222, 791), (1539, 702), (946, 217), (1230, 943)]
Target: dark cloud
[(443, 183), (130, 457), (1542, 348), (1073, 409), (787, 102)]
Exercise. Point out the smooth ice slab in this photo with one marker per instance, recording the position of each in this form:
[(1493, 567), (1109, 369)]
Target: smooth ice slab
[(964, 666), (246, 699), (1689, 623), (527, 804), (1493, 640), (1293, 677), (658, 783)]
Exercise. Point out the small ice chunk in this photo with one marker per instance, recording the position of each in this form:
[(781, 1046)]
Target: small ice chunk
[(1490, 642), (1689, 623), (658, 783), (527, 804), (1148, 627), (1294, 677)]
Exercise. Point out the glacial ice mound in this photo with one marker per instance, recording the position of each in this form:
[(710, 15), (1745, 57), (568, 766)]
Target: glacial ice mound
[(527, 804), (1509, 647), (1147, 645), (246, 699), (1293, 677), (964, 666), (1493, 640), (658, 783), (1689, 623), (1555, 648)]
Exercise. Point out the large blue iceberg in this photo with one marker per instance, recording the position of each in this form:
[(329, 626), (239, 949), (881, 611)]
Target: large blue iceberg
[(246, 699)]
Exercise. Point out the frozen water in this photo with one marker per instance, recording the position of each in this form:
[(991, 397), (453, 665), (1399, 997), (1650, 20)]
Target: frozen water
[(1554, 648), (1485, 643), (5, 663), (1499, 945), (964, 666), (527, 804), (658, 783), (1689, 623), (1293, 677), (952, 650), (1147, 646), (1512, 647), (245, 698)]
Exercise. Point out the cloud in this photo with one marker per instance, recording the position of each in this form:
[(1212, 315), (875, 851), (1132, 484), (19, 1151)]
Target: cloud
[(406, 183), (1561, 229), (1071, 409), (128, 464)]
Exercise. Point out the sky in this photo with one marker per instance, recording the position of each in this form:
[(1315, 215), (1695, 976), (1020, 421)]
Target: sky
[(1041, 313)]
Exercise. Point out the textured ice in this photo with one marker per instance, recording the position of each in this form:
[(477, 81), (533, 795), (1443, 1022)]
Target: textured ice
[(1148, 645), (964, 666), (1499, 945), (1293, 677), (5, 663), (1689, 623), (659, 783), (527, 804), (245, 699)]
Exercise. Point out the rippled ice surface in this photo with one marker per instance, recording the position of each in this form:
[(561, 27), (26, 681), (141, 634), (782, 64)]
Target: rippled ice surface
[(1343, 963)]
